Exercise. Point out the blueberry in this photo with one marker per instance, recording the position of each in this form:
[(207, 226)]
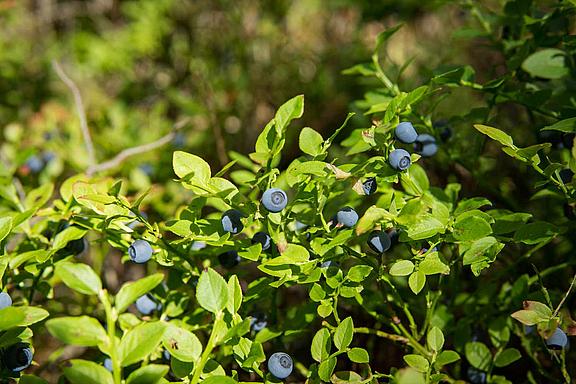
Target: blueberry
[(399, 159), (147, 169), (444, 130), (299, 226), (197, 245), (48, 156), (229, 259), (140, 251), (476, 376), (405, 132), (566, 175), (108, 364), (232, 221), (35, 164), (5, 300), (258, 322), (280, 365), (425, 145), (166, 355), (528, 329), (369, 186), (146, 305), (17, 357), (262, 238), (274, 199), (394, 236), (347, 217), (379, 241), (76, 247), (329, 264), (558, 340)]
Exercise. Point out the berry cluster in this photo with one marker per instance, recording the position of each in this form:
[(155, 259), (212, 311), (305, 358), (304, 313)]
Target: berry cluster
[(424, 144)]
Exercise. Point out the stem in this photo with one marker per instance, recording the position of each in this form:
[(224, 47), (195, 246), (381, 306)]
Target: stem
[(111, 326), (199, 368), (565, 297), (382, 334), (413, 342)]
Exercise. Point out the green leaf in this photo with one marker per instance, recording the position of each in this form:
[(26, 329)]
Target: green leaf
[(435, 339), (566, 125), (343, 334), (425, 228), (447, 357), (219, 380), (384, 36), (148, 374), (30, 379), (5, 226), (82, 330), (80, 277), (290, 110), (212, 291), (432, 265), (359, 273), (191, 167), (11, 317), (321, 343), (417, 362), (358, 355), (471, 228), (416, 281), (495, 134), (310, 142), (478, 355), (326, 368), (528, 317), (548, 64), (181, 343), (234, 294), (507, 357), (477, 250), (371, 217), (130, 292), (535, 233), (87, 372), (402, 268), (538, 307), (140, 341)]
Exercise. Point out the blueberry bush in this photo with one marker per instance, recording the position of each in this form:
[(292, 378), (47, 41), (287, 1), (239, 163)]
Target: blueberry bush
[(428, 238)]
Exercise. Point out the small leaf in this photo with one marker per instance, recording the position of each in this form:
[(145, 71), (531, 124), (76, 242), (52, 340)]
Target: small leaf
[(148, 374), (416, 281), (130, 292), (87, 372), (140, 341), (181, 343), (359, 273), (402, 268), (234, 294), (435, 339), (535, 233), (83, 330), (321, 343), (310, 142), (566, 125), (528, 317), (11, 317), (358, 355), (417, 362), (548, 64), (5, 227), (495, 134), (478, 355), (80, 277), (343, 334), (191, 167), (326, 368), (507, 357), (212, 291), (447, 357)]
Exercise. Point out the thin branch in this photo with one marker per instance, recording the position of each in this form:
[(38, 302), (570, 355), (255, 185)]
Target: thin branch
[(123, 155), (80, 110), (565, 297)]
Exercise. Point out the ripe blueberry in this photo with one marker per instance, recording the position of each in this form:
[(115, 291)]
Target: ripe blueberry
[(274, 199), (399, 159), (5, 300), (528, 329), (198, 245), (34, 164), (140, 251), (558, 340), (329, 264), (108, 364), (405, 132), (258, 322), (232, 221), (229, 259), (347, 217), (146, 305), (476, 376), (369, 186), (425, 145), (262, 238), (17, 357), (394, 236), (379, 241), (280, 365)]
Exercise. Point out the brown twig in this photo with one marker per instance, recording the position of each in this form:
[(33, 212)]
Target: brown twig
[(80, 110)]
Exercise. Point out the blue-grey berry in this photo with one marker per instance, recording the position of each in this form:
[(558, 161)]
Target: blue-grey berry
[(5, 300), (258, 322), (229, 259), (35, 164), (347, 217), (329, 264), (425, 145), (379, 241), (232, 221), (558, 340), (197, 245), (528, 329), (262, 238), (369, 186), (399, 159), (17, 357), (140, 251), (108, 364), (166, 355), (146, 305), (280, 365), (476, 376), (405, 132), (274, 199)]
